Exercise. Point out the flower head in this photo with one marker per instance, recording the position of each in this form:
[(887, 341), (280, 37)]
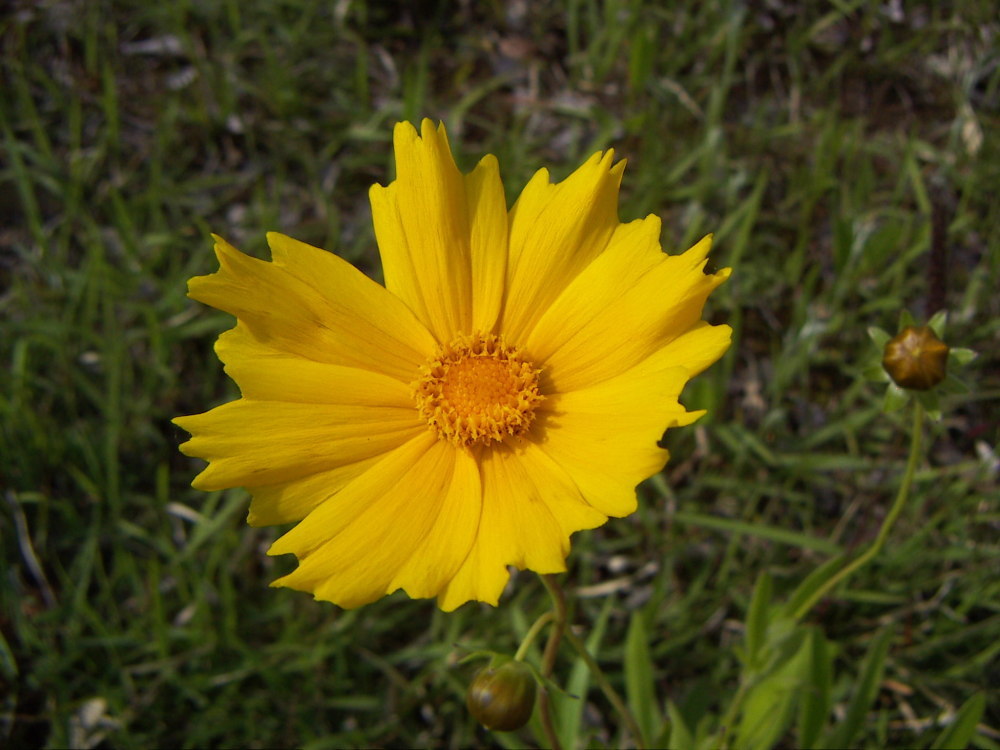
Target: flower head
[(918, 364), (916, 358), (502, 697), (506, 388)]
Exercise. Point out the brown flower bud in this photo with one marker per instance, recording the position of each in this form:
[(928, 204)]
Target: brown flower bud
[(502, 698), (916, 358)]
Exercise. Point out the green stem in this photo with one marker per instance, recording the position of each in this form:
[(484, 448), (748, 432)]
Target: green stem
[(897, 507), (532, 633), (549, 657), (609, 692), (890, 519), (559, 631)]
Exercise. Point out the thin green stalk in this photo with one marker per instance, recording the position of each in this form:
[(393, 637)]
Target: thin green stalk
[(533, 631), (559, 631), (897, 507), (609, 692), (549, 656), (731, 713), (890, 519)]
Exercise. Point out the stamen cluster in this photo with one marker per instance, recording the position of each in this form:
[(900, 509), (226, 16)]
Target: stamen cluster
[(478, 390)]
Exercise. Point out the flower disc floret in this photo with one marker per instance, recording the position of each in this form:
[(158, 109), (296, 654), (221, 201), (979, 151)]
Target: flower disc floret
[(478, 390)]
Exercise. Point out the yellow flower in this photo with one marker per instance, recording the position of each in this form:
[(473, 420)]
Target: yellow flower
[(506, 388)]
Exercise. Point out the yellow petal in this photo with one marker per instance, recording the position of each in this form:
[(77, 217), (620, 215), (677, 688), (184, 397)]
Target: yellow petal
[(332, 517), (264, 373), (488, 243), (530, 507), (313, 304), (259, 443), (408, 522), (605, 436), (442, 236), (292, 501), (556, 230), (603, 324), (695, 350), (443, 550), (632, 252)]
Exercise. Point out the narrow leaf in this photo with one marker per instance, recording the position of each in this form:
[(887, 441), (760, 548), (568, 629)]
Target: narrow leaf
[(895, 398), (865, 692), (768, 707), (568, 711), (938, 322), (878, 336), (816, 701), (810, 585), (639, 685), (958, 734), (962, 356), (772, 533), (680, 735), (757, 619)]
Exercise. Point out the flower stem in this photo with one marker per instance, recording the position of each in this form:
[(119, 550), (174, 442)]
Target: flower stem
[(890, 519), (559, 631), (533, 631), (609, 692), (558, 616), (730, 718), (897, 506)]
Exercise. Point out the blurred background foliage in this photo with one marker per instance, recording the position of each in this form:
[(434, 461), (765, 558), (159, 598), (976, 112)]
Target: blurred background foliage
[(846, 156)]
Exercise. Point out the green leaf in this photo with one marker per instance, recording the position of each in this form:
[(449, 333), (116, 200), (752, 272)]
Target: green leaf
[(479, 654), (784, 640), (938, 323), (639, 686), (816, 699), (931, 403), (568, 711), (958, 734), (768, 706), (865, 692), (757, 619), (951, 386), (875, 372), (680, 735), (809, 586), (878, 336), (772, 533), (895, 398), (208, 526), (906, 319), (962, 357)]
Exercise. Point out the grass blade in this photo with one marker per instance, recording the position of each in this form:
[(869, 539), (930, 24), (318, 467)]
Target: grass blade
[(639, 684), (680, 735), (567, 709), (959, 733), (865, 692), (757, 619), (815, 704), (798, 605), (784, 536)]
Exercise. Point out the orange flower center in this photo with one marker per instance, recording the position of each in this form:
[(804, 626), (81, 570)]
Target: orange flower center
[(477, 390)]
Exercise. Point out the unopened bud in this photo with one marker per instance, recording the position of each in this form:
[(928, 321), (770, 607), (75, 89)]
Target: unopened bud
[(916, 358), (502, 698)]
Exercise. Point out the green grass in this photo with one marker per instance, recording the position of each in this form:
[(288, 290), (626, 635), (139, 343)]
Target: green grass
[(819, 145)]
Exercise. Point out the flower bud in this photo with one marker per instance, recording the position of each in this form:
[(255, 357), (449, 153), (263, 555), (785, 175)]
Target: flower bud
[(502, 698), (916, 358)]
